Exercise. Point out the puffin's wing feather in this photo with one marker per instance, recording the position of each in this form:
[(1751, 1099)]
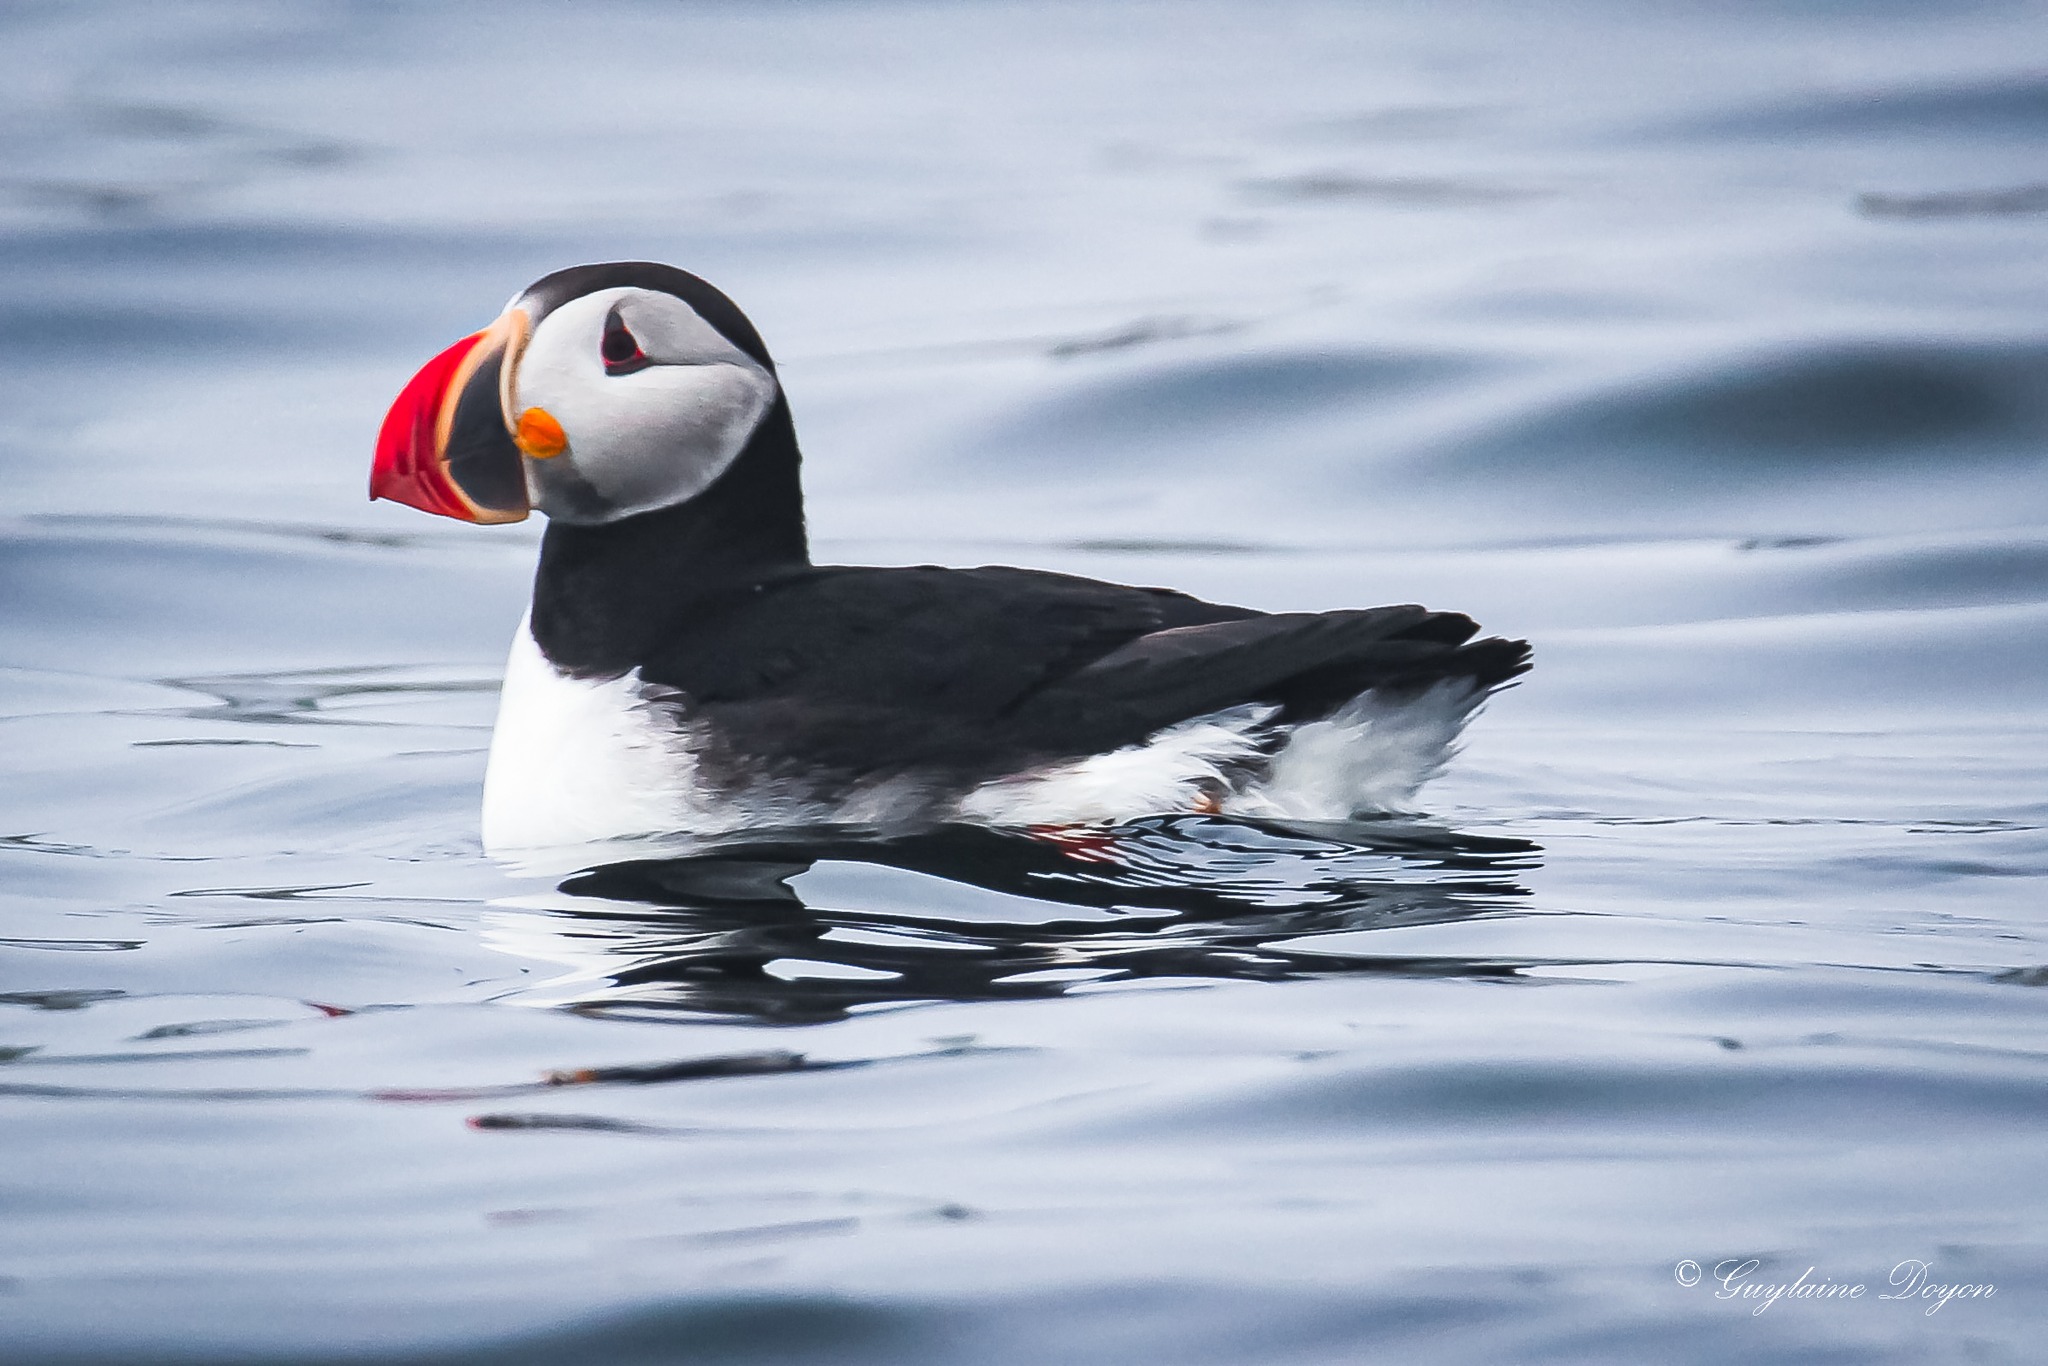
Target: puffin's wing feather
[(965, 643), (1306, 663)]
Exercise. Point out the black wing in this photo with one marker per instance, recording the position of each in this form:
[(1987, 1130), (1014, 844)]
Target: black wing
[(867, 669)]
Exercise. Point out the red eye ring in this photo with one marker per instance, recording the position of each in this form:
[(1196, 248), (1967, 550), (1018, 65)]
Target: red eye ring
[(620, 348)]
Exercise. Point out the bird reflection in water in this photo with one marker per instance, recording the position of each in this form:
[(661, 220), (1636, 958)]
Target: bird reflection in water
[(797, 928)]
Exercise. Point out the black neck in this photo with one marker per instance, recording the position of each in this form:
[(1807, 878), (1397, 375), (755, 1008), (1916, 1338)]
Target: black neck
[(606, 596)]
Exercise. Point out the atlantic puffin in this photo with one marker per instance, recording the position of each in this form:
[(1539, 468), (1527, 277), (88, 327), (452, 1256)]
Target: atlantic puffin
[(686, 669)]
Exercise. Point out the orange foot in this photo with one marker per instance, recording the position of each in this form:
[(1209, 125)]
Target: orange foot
[(1083, 842)]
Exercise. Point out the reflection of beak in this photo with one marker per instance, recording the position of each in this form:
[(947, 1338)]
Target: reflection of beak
[(446, 446)]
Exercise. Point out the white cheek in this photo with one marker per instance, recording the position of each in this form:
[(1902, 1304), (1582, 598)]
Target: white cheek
[(660, 435), (656, 437), (653, 438)]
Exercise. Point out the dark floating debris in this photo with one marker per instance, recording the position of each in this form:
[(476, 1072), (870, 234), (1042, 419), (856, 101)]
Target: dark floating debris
[(685, 1069), (765, 1063), (764, 1233), (602, 1124), (1142, 332), (168, 1055), (1140, 545), (274, 893), (1756, 543), (689, 1069), (177, 744), (43, 845), (74, 945), (76, 998), (196, 1028), (2013, 202), (1404, 191)]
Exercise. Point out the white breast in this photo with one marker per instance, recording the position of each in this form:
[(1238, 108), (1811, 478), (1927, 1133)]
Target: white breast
[(574, 760)]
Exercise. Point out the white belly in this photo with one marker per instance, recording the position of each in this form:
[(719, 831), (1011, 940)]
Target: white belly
[(1369, 757)]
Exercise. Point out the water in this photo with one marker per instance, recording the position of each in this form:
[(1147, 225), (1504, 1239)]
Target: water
[(1702, 345)]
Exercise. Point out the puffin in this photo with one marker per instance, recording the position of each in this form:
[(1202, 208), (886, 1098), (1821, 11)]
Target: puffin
[(685, 669)]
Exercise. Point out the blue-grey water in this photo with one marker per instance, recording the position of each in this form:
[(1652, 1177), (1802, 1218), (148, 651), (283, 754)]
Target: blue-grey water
[(1704, 345)]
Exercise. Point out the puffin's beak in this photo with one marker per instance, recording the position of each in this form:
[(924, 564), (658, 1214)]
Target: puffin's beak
[(446, 446)]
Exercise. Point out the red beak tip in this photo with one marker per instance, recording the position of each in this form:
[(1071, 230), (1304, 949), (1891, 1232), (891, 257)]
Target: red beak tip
[(407, 468)]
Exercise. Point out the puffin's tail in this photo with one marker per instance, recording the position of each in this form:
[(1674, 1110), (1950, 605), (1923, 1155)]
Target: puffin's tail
[(1437, 655)]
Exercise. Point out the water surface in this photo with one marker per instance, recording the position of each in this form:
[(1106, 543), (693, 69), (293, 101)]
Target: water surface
[(1704, 346)]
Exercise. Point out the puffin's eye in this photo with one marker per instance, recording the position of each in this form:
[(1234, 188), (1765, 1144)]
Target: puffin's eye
[(621, 350)]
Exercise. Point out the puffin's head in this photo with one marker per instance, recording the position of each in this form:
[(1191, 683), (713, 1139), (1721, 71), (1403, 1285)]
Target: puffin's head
[(600, 392)]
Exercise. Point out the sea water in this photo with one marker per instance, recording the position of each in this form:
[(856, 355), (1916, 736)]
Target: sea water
[(1705, 346)]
